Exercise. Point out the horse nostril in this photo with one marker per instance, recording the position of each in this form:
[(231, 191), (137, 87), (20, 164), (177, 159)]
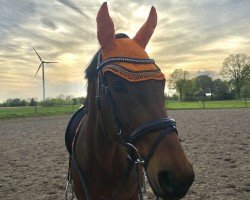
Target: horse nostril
[(173, 188), (165, 181)]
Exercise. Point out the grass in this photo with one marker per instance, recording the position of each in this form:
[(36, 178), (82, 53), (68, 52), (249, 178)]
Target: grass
[(27, 111), (207, 104)]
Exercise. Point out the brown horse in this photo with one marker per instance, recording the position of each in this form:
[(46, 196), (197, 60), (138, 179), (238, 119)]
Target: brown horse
[(126, 128)]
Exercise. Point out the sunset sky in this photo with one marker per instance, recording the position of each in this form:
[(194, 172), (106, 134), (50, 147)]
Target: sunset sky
[(194, 35)]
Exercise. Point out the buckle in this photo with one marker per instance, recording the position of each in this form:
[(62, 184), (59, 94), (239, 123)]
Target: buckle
[(69, 195), (119, 132), (133, 154), (97, 102)]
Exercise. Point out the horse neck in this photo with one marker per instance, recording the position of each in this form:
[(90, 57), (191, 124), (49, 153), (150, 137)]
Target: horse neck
[(102, 161), (99, 149)]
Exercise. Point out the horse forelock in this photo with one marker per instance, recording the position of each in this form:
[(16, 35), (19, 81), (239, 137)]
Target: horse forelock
[(91, 69)]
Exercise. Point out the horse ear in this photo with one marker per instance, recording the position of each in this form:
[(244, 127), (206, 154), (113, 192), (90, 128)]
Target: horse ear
[(146, 31), (105, 28)]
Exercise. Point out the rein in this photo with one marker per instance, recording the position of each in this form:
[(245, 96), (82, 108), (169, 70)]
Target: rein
[(135, 160)]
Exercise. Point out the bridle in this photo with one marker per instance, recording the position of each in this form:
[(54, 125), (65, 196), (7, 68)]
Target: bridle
[(164, 126)]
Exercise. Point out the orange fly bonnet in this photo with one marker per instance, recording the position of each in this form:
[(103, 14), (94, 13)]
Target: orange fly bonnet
[(127, 48)]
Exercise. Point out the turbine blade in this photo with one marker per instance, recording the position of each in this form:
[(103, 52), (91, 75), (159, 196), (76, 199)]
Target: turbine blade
[(50, 62), (38, 55), (39, 68)]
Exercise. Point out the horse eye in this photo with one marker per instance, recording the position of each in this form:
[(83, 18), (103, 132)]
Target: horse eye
[(117, 86)]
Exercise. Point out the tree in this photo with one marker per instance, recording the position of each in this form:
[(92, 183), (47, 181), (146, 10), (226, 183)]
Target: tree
[(205, 83), (221, 89), (15, 102), (236, 67), (32, 102), (245, 91), (75, 101), (177, 81), (190, 89)]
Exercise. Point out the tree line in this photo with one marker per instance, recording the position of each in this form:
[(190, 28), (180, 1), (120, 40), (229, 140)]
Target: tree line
[(61, 100), (235, 72)]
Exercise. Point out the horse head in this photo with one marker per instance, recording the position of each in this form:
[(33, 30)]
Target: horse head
[(137, 91), (130, 96)]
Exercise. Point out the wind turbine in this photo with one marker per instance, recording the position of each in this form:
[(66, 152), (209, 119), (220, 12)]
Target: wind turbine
[(42, 65)]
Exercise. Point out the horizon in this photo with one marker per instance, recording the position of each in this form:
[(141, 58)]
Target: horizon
[(168, 92), (192, 35)]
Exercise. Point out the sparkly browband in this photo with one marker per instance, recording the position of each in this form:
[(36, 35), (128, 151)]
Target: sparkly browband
[(120, 67), (123, 59), (134, 76)]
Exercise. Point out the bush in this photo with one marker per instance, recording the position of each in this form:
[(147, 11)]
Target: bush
[(174, 97), (15, 102), (62, 101), (56, 102)]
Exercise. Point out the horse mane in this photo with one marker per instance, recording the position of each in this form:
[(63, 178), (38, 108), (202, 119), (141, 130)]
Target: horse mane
[(90, 71)]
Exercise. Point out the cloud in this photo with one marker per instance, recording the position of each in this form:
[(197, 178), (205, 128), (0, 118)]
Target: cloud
[(191, 34), (13, 13), (47, 23), (71, 5)]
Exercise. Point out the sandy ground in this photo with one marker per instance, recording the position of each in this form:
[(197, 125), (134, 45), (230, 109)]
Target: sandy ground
[(33, 158)]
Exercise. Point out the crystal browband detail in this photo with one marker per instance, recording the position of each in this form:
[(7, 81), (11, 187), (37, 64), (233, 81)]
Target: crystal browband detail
[(134, 76)]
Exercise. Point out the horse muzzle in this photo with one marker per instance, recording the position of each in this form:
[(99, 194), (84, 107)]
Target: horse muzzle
[(173, 188)]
